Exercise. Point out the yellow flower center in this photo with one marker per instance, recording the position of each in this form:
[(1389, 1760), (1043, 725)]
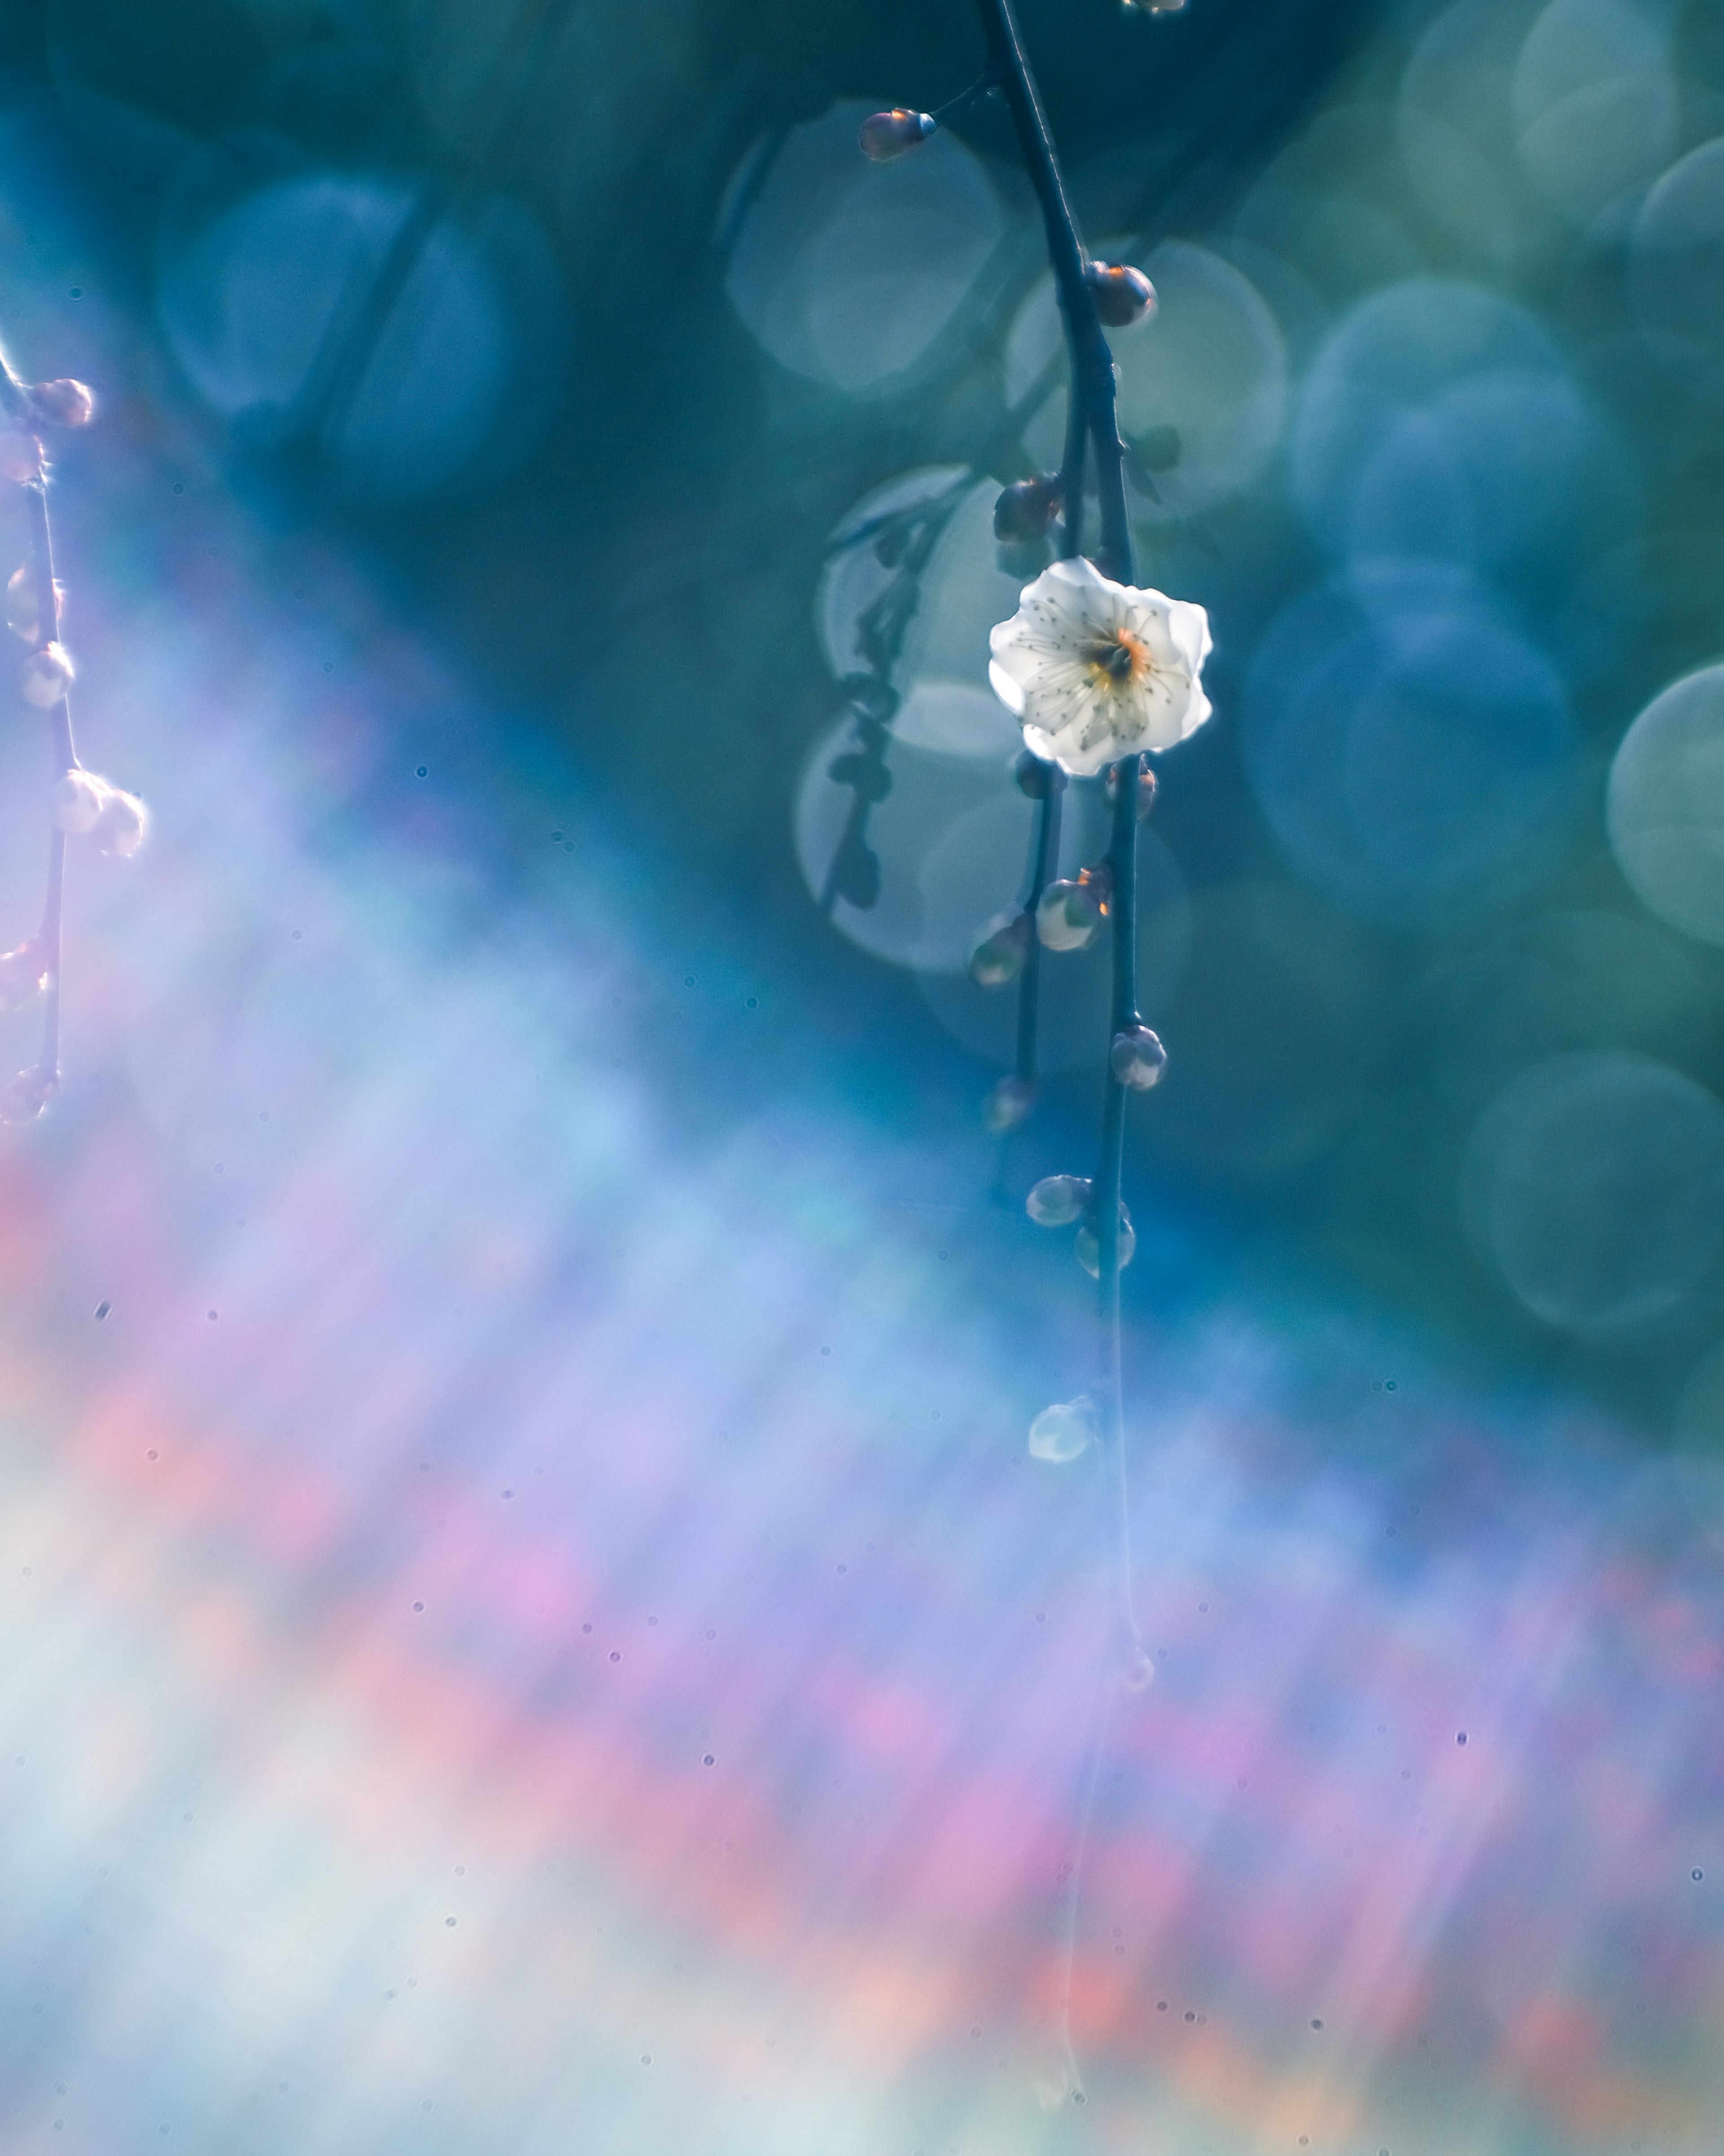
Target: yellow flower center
[(1118, 660)]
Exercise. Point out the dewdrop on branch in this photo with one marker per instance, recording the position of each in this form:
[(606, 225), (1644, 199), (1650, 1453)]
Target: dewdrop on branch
[(62, 403), (45, 676), (1138, 1058), (24, 1098), (1057, 1200), (1061, 1432), (1123, 296), (20, 455), (1095, 670), (1088, 1245), (884, 135), (997, 958), (23, 975), (1007, 1104)]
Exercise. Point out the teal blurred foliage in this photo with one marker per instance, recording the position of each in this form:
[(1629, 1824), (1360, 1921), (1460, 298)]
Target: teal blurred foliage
[(497, 297)]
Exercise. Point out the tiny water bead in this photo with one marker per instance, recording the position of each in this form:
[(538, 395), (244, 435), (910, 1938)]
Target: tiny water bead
[(1088, 1245), (1061, 1432), (1138, 1058), (1057, 1200)]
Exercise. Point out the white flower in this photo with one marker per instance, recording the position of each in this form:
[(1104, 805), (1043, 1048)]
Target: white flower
[(1097, 671)]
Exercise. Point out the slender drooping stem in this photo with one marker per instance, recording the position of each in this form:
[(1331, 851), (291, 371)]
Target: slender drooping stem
[(1047, 864), (63, 756), (1092, 386), (1122, 861)]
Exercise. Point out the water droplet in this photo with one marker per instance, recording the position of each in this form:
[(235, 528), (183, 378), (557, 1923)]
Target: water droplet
[(708, 1761), (1061, 1432)]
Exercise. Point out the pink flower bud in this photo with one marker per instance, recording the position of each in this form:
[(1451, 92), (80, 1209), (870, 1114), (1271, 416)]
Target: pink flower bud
[(25, 1097), (20, 454), (1057, 1200), (1088, 1245), (1138, 1058), (123, 826), (80, 798), (1007, 1104), (23, 975), (45, 676), (884, 135), (997, 958), (1122, 295), (62, 403)]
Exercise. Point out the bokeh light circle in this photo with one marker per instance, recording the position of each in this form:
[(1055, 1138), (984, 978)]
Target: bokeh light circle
[(1676, 268), (1596, 1182), (1594, 103), (321, 307), (1666, 805), (1413, 753), (846, 272)]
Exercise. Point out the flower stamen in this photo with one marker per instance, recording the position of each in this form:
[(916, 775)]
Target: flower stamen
[(1121, 658)]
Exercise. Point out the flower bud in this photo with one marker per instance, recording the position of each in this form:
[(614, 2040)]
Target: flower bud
[(1153, 7), (45, 676), (1138, 1058), (884, 135), (62, 403), (1123, 296), (80, 798), (1026, 508), (1034, 773), (24, 1098), (1089, 1244), (123, 824), (20, 454), (1138, 1674), (1070, 914), (23, 617), (997, 958), (1007, 1104), (1146, 788), (1061, 1432), (1057, 1200), (23, 975)]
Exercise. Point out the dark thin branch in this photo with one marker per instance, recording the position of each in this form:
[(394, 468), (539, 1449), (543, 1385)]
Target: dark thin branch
[(1091, 360), (1047, 867), (64, 758)]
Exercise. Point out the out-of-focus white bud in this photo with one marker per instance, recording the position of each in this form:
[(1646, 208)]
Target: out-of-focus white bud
[(998, 958), (1138, 1058), (79, 800), (1069, 915), (884, 135), (24, 1098), (1089, 1244), (1123, 296), (23, 975), (23, 617), (1146, 788), (1057, 1200), (45, 676), (20, 454), (62, 403), (123, 824), (1060, 1433), (1007, 1104)]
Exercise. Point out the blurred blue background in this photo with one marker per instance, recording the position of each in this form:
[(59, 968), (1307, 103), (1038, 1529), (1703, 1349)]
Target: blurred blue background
[(531, 1621)]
